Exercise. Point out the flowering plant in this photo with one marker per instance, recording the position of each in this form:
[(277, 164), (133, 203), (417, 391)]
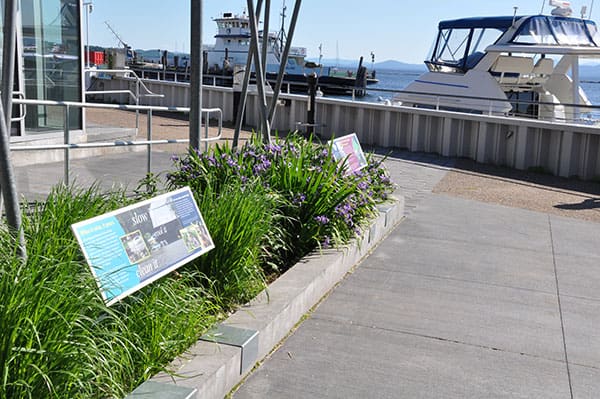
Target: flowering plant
[(319, 204)]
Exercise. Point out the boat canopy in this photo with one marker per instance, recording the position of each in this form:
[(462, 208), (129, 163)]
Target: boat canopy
[(462, 43), (557, 31), (535, 29), (478, 22)]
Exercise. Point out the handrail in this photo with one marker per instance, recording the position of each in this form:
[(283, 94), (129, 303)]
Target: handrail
[(20, 95), (576, 109), (138, 83), (67, 145)]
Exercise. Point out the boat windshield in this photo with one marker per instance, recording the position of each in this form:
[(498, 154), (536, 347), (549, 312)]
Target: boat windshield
[(557, 31), (460, 49)]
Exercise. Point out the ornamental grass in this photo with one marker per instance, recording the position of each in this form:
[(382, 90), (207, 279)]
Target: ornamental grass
[(265, 206)]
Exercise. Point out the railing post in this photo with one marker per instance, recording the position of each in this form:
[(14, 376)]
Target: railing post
[(137, 102), (67, 141), (149, 148), (353, 95), (206, 132)]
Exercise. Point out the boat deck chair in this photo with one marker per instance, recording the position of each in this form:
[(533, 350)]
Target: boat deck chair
[(512, 70), (542, 70)]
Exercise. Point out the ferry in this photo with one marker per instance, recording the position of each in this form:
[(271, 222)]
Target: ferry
[(524, 66), (232, 44)]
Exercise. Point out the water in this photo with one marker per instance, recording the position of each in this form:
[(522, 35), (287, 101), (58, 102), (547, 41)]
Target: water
[(398, 80)]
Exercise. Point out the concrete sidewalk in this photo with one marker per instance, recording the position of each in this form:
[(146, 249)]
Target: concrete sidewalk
[(464, 300)]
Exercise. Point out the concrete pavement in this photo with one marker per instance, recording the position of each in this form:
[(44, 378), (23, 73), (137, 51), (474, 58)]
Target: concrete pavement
[(463, 300)]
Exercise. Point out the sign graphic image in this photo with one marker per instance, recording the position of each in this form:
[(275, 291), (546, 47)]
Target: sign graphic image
[(130, 248), (349, 146)]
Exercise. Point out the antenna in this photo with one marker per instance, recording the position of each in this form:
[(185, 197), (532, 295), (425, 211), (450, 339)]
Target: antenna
[(116, 35), (515, 14), (591, 7), (282, 32), (543, 5), (583, 11), (320, 53)]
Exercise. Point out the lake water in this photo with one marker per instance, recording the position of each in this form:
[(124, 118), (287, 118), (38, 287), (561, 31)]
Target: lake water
[(398, 80)]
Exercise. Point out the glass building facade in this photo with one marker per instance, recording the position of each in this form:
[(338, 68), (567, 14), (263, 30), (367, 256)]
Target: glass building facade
[(48, 63)]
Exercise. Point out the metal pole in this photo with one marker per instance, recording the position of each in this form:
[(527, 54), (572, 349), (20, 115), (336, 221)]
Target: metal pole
[(196, 73), (67, 141), (244, 95), (284, 58), (260, 83), (149, 148), (7, 178), (265, 40), (87, 33)]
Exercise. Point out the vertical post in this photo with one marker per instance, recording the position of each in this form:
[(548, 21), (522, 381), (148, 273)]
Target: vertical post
[(283, 61), (88, 10), (137, 102), (575, 76), (244, 94), (7, 178), (67, 141), (265, 38), (206, 132), (258, 69), (149, 147), (312, 94), (196, 77)]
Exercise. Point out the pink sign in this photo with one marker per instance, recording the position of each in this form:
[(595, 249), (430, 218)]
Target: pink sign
[(348, 147)]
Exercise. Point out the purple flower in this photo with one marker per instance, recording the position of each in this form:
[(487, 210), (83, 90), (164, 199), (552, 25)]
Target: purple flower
[(326, 243), (322, 219), (363, 185), (298, 199), (273, 148)]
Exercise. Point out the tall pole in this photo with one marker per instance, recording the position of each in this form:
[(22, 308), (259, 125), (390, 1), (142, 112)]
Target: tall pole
[(258, 69), (283, 61), (265, 38), (196, 73), (7, 178), (244, 94), (88, 10)]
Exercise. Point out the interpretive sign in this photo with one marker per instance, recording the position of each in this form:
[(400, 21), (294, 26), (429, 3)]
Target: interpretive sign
[(131, 247), (348, 147)]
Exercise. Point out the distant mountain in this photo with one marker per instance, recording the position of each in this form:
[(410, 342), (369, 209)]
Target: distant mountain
[(399, 66), (353, 64)]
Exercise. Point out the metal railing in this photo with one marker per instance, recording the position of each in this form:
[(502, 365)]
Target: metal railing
[(139, 84), (583, 114), (67, 146)]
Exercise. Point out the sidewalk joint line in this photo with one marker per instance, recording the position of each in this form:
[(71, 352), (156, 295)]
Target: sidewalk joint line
[(316, 317), (460, 280), (562, 323)]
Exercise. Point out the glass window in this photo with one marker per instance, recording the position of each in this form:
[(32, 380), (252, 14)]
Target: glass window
[(554, 31), (51, 60), (452, 46), (570, 32)]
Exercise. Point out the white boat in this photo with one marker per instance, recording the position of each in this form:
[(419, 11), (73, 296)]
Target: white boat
[(232, 44), (514, 65)]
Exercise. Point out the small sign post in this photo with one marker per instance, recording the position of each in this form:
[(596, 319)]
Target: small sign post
[(349, 147), (131, 247)]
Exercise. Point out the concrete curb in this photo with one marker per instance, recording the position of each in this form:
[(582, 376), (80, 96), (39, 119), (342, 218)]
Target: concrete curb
[(211, 370)]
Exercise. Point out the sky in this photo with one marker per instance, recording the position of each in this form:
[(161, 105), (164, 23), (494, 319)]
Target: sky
[(401, 30)]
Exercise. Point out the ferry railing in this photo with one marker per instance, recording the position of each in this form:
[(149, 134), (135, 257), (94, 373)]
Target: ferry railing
[(67, 146), (139, 84), (584, 114)]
